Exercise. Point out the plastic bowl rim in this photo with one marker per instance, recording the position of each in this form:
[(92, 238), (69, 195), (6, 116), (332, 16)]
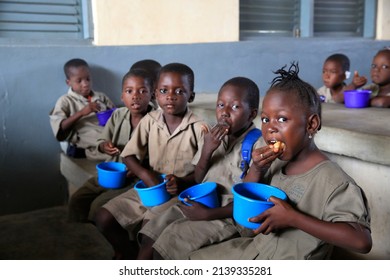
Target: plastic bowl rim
[(148, 188), (199, 196), (98, 166), (254, 200)]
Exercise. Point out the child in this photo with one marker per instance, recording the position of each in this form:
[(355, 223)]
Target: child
[(380, 76), (183, 229), (326, 208), (170, 136), (137, 91), (73, 118), (150, 66), (334, 72)]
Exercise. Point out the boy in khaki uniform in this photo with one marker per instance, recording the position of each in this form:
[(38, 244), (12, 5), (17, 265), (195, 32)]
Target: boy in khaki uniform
[(137, 91), (73, 118), (170, 137)]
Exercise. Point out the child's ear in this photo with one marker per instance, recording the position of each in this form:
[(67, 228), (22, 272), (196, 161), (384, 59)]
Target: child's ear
[(67, 81), (313, 124), (153, 95), (192, 97), (253, 113)]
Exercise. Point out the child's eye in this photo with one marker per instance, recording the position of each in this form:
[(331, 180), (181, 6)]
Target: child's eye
[(264, 120), (179, 91), (235, 107), (282, 119), (163, 91), (143, 91), (220, 105), (128, 91)]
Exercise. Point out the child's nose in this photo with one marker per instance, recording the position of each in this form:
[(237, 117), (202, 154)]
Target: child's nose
[(171, 94), (225, 112), (271, 128)]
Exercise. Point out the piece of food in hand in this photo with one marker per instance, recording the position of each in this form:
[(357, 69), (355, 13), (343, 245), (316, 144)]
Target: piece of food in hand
[(278, 146)]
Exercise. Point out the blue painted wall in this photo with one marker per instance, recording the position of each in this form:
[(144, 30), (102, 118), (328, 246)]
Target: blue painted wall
[(31, 80)]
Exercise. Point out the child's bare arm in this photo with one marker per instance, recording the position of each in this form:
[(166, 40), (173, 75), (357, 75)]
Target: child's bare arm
[(109, 148), (177, 184), (351, 236), (147, 176), (70, 121), (199, 212), (380, 101), (212, 140)]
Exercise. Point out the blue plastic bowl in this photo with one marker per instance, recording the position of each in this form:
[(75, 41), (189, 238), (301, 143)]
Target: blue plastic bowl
[(104, 116), (357, 98), (111, 175), (205, 193), (152, 196), (250, 200)]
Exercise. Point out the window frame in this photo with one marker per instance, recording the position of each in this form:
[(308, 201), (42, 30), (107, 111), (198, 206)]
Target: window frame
[(307, 19), (305, 28), (86, 33)]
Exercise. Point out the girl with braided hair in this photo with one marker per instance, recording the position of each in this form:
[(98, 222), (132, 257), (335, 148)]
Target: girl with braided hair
[(325, 207)]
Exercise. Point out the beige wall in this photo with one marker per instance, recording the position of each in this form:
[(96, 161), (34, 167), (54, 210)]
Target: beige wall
[(140, 22), (383, 20)]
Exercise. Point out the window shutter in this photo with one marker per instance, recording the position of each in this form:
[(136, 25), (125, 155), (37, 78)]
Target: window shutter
[(41, 19), (268, 18), (338, 18)]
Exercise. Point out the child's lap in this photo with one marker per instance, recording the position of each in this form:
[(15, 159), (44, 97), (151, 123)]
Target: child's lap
[(127, 208), (176, 237)]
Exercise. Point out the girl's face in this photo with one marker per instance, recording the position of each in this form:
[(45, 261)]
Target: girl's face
[(233, 110), (136, 94), (173, 92), (332, 74), (80, 80), (284, 119), (380, 69)]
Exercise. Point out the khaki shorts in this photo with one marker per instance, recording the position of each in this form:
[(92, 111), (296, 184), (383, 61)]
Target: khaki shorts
[(129, 211)]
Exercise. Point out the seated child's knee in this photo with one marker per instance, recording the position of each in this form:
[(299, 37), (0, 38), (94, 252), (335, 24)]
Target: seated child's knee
[(103, 219)]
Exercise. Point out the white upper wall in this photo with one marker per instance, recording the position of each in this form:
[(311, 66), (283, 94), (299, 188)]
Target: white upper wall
[(383, 20), (144, 22), (148, 22)]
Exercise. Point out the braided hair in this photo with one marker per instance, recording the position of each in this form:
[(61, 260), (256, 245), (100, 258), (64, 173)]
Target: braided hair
[(289, 82)]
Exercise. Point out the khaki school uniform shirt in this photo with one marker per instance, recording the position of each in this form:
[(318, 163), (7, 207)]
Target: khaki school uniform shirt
[(168, 153), (118, 130)]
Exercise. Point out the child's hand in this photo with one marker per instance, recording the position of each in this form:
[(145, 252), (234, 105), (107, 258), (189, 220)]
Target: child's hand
[(109, 148), (195, 212), (277, 217), (264, 156), (358, 81), (213, 138), (91, 107), (172, 184)]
